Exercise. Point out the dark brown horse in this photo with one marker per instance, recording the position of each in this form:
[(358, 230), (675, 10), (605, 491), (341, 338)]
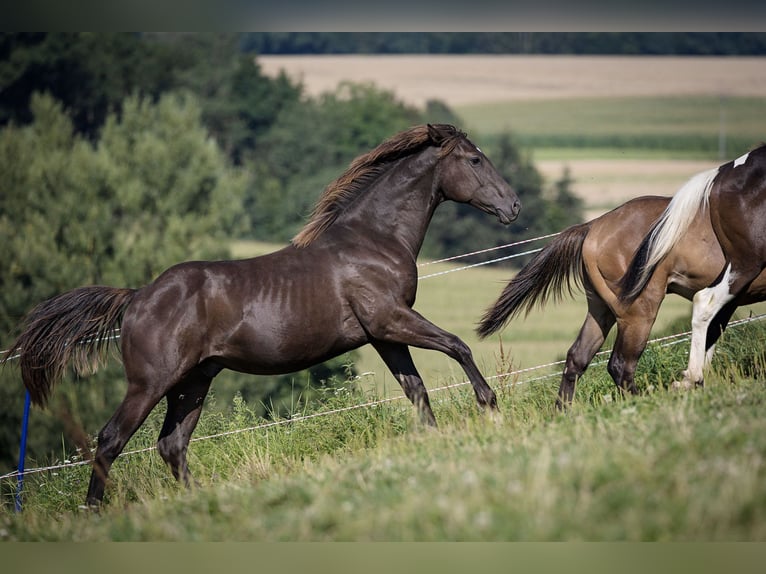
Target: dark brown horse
[(348, 278), (595, 255), (732, 199)]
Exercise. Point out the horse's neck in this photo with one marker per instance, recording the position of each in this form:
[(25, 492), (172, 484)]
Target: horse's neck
[(399, 205)]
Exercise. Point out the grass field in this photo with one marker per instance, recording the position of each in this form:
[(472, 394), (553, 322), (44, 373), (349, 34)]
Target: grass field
[(662, 466)]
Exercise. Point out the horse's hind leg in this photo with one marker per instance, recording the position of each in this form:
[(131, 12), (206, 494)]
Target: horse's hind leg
[(597, 324), (399, 361), (632, 336), (131, 413), (185, 402)]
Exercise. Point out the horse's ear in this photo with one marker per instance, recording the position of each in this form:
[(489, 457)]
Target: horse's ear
[(438, 133)]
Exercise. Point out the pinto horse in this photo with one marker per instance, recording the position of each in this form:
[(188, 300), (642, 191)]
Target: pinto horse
[(594, 256), (348, 278), (732, 198)]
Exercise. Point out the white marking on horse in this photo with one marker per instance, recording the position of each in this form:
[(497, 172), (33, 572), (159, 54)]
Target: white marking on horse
[(741, 159), (707, 303)]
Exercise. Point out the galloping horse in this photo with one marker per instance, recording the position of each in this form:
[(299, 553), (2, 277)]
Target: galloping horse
[(594, 256), (349, 277), (732, 197)]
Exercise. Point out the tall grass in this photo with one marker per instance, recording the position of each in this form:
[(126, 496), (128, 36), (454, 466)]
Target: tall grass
[(660, 466)]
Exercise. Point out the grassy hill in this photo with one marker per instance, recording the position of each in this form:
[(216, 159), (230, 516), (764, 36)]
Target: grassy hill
[(661, 466)]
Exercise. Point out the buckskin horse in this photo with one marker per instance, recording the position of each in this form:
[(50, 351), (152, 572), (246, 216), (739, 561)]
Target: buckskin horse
[(348, 278), (594, 256), (732, 198)]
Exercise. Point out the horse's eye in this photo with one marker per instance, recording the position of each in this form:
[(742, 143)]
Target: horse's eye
[(475, 160)]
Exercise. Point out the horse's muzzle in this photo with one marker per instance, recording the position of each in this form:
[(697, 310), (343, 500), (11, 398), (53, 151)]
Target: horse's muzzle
[(507, 216)]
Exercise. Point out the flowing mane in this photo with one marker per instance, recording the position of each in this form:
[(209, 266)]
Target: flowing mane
[(365, 169)]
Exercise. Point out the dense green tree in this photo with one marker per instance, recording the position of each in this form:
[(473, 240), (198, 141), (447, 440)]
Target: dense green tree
[(239, 103), (89, 73), (92, 73), (650, 43), (155, 190)]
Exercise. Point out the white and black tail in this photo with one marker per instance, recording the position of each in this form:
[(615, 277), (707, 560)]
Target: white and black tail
[(666, 232)]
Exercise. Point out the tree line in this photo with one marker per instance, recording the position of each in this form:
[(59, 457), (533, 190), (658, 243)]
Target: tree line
[(122, 154), (612, 43)]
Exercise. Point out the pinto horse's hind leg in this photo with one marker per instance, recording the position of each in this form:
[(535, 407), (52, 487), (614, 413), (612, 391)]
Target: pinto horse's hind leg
[(399, 360), (185, 401), (632, 336)]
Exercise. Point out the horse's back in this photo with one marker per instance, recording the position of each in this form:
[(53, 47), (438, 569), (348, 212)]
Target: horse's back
[(614, 237), (271, 314)]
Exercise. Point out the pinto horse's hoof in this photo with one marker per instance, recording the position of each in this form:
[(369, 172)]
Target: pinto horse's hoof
[(685, 385)]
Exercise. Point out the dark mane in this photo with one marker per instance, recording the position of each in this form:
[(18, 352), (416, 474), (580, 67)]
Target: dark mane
[(365, 169)]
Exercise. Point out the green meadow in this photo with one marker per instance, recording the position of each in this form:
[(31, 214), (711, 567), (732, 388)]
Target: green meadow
[(661, 466), (640, 127)]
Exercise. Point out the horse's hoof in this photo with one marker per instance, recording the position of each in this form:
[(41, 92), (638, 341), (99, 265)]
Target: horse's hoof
[(684, 385)]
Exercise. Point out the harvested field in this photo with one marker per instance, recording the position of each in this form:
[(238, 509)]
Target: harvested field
[(471, 79)]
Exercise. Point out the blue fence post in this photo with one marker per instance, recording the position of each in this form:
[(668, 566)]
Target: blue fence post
[(22, 452)]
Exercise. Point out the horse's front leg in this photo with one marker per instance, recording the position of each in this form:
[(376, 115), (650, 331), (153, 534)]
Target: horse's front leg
[(405, 326), (399, 361), (712, 308)]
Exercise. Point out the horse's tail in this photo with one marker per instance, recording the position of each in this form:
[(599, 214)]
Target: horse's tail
[(556, 268), (76, 326), (666, 232)]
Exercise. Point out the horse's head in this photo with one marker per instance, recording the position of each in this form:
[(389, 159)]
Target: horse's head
[(466, 175)]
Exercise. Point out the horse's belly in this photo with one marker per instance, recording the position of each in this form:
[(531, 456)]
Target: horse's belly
[(272, 346)]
